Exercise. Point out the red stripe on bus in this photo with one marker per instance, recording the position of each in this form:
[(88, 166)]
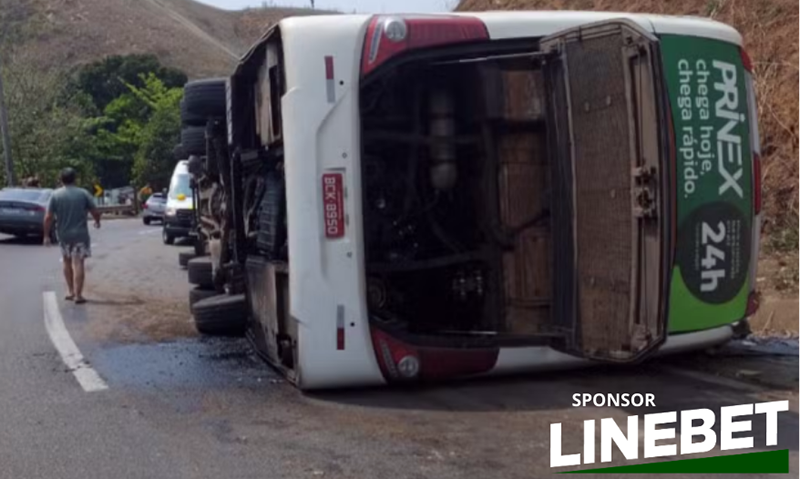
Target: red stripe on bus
[(329, 68), (340, 339)]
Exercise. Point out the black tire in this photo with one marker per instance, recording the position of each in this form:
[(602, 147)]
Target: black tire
[(193, 140), (179, 152), (189, 119), (166, 237), (184, 257), (270, 237), (221, 315), (203, 100), (201, 272), (199, 294), (146, 221), (199, 247)]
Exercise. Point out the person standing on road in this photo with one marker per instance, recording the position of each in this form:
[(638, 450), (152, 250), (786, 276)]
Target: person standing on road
[(70, 205)]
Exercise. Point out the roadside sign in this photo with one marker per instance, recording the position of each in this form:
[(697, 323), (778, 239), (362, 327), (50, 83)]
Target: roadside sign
[(98, 191)]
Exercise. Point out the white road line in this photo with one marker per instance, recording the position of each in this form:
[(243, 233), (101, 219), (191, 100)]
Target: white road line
[(150, 231), (87, 377)]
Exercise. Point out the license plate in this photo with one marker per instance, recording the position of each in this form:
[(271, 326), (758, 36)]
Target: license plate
[(12, 211), (333, 204)]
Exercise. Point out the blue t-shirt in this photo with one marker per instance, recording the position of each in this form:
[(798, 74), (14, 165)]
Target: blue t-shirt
[(71, 206)]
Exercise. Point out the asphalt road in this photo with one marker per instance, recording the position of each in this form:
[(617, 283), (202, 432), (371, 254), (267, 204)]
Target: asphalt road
[(177, 405)]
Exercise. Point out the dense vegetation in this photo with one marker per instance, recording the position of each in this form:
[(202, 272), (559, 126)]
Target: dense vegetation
[(116, 120)]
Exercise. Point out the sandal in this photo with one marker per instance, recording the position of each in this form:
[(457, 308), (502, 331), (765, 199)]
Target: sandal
[(80, 300), (69, 297)]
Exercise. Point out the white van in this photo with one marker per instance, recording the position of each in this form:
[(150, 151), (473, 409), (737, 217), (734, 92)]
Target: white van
[(421, 197), (179, 210)]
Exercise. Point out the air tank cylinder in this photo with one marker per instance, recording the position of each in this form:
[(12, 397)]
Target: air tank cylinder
[(444, 172)]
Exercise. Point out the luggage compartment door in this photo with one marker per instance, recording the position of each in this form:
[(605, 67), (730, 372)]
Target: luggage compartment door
[(605, 136)]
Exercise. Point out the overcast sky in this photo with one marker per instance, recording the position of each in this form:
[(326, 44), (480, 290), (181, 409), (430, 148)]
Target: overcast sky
[(362, 6)]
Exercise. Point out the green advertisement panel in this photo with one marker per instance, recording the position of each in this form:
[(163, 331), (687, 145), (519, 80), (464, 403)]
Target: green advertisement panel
[(706, 84)]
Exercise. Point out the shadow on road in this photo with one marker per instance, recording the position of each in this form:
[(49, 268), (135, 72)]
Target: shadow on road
[(107, 302), (555, 391), (184, 242), (20, 240)]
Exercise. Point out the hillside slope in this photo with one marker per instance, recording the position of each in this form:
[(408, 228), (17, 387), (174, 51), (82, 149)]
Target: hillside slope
[(198, 39), (770, 29)]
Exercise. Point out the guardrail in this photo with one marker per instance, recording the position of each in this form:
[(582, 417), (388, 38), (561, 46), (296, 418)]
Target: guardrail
[(128, 210)]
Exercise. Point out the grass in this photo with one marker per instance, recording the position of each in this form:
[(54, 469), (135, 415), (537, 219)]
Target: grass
[(80, 31), (784, 240), (782, 247)]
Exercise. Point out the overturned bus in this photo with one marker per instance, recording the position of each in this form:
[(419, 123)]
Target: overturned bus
[(401, 198)]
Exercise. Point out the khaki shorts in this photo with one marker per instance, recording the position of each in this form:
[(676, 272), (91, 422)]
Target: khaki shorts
[(76, 250)]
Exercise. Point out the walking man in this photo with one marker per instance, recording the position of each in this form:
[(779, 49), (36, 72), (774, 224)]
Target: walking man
[(70, 206)]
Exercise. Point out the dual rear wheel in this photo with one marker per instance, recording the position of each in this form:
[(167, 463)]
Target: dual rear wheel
[(214, 314)]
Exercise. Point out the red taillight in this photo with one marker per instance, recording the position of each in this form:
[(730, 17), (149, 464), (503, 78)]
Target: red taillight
[(144, 205), (389, 353), (753, 302), (388, 36), (401, 361), (747, 63), (35, 208), (757, 182)]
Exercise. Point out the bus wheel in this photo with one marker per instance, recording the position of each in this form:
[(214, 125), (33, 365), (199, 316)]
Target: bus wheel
[(197, 294), (201, 272), (199, 246), (193, 140), (204, 99), (184, 257), (221, 315)]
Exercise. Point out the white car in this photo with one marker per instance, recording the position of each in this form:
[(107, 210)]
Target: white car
[(153, 208), (421, 197)]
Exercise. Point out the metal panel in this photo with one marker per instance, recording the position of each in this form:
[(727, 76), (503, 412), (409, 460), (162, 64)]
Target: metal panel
[(603, 191), (594, 108)]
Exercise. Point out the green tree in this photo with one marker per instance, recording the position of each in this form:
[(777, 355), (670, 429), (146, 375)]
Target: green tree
[(48, 126), (95, 120), (108, 79), (19, 21), (119, 134), (154, 159), (124, 95), (116, 138)]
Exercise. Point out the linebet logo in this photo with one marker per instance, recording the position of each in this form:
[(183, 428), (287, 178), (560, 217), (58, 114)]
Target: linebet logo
[(654, 435)]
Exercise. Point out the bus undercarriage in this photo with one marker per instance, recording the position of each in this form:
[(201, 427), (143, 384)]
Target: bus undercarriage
[(470, 186)]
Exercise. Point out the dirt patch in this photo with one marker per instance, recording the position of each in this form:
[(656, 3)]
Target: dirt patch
[(778, 275), (776, 317), (134, 319), (777, 282), (196, 38), (137, 291)]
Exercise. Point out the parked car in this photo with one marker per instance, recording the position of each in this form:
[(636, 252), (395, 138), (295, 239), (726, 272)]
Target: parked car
[(22, 211), (153, 208)]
